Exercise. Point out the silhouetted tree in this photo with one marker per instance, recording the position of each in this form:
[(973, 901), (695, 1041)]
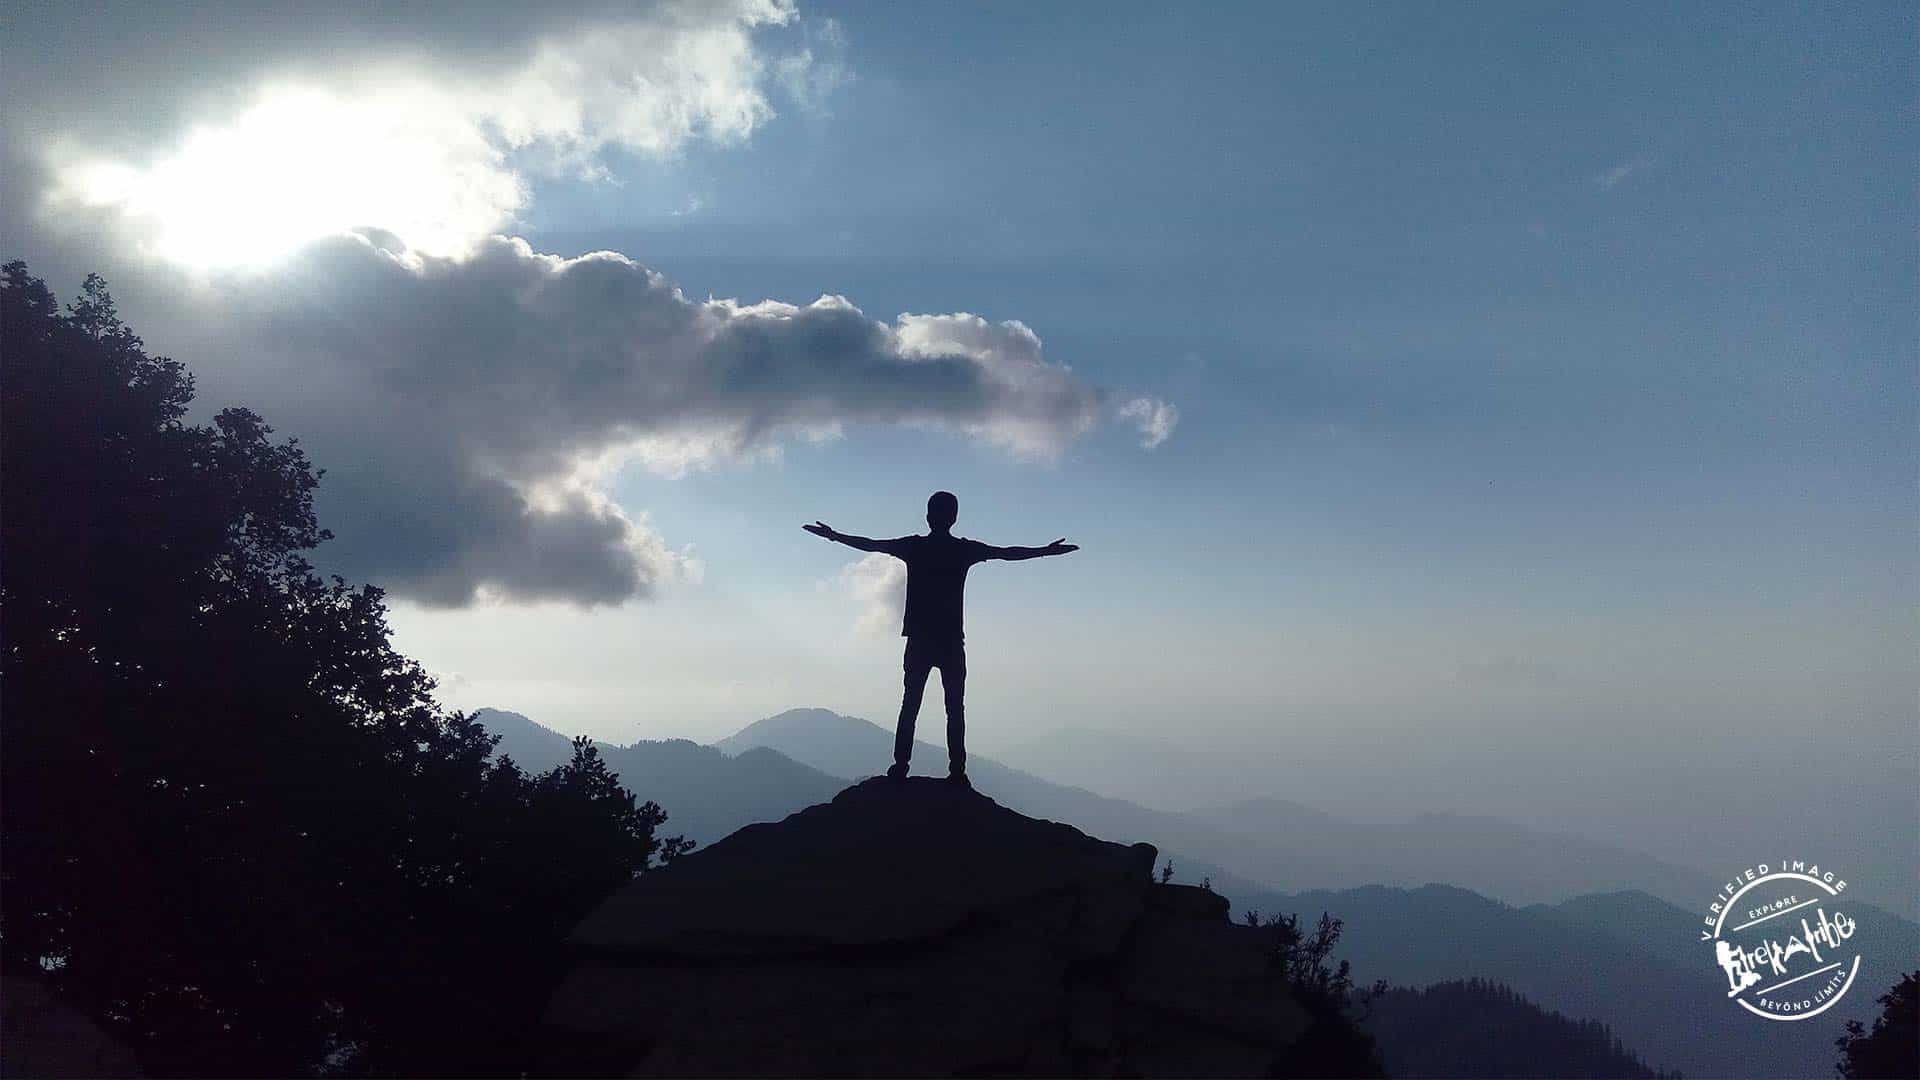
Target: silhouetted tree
[(1306, 956), (238, 830), (1334, 1044), (1892, 1048)]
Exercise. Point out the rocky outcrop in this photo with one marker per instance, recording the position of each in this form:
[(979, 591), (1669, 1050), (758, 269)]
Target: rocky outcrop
[(910, 928)]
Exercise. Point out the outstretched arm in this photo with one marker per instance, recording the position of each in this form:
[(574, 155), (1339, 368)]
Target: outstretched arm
[(1015, 554), (864, 543)]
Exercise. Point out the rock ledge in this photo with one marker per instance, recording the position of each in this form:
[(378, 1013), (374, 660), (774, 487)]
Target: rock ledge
[(917, 929)]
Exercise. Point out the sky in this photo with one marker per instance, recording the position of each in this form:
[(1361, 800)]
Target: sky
[(1522, 394)]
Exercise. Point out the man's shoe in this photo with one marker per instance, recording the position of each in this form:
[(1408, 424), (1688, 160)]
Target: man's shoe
[(959, 780), (897, 771)]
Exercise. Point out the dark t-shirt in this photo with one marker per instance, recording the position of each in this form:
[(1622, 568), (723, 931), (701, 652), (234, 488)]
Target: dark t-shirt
[(936, 581)]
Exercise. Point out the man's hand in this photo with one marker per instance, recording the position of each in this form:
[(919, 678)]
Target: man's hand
[(821, 528), (1060, 547)]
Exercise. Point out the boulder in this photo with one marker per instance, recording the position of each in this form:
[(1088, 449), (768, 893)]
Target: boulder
[(912, 928)]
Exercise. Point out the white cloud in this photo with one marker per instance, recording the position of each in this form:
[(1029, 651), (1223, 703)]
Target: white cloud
[(650, 83), (811, 74), (1155, 418), (1608, 179), (435, 153), (878, 586), (1045, 405)]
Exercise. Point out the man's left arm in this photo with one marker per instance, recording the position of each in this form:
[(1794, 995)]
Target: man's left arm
[(1017, 554)]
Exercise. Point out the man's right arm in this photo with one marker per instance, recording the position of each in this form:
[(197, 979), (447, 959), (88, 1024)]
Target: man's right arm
[(864, 543)]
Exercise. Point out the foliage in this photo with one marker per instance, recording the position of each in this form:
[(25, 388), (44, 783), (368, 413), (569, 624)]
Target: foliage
[(1334, 1043), (1892, 1048), (1306, 956), (1476, 1027), (238, 829)]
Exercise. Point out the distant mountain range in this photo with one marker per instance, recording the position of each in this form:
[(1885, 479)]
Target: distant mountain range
[(706, 792), (1266, 840), (1683, 809), (1627, 959), (1577, 927)]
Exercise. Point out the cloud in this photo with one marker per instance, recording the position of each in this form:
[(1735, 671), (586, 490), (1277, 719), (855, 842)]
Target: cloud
[(472, 412), (472, 400), (1608, 179), (811, 74), (430, 140), (878, 586), (1155, 418)]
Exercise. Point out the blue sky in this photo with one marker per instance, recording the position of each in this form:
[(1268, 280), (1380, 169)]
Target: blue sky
[(1523, 331), (1545, 373)]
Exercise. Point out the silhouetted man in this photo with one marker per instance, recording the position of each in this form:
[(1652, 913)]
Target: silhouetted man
[(937, 565)]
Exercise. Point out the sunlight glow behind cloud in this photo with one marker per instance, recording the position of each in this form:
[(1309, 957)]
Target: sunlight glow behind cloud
[(301, 164), (438, 161)]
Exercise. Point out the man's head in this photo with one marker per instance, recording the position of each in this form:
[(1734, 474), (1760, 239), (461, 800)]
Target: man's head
[(942, 511)]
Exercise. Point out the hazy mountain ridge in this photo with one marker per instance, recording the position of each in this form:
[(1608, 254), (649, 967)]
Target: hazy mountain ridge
[(853, 748), (706, 792), (1268, 840), (1257, 847), (1627, 959), (1487, 854), (1865, 821)]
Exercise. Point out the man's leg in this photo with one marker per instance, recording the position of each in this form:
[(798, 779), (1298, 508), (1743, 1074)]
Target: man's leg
[(915, 663), (953, 680)]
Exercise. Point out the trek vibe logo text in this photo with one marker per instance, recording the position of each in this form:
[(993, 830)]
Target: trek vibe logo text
[(1779, 935)]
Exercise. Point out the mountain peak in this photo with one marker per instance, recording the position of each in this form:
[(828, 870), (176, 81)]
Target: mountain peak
[(883, 861), (815, 722), (911, 927)]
